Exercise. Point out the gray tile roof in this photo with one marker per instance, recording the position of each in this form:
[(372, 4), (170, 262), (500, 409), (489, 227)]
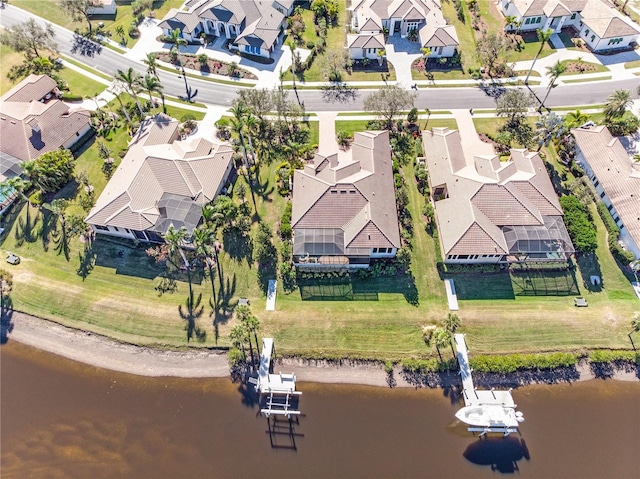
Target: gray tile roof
[(192, 169), (619, 177), (31, 125), (356, 196)]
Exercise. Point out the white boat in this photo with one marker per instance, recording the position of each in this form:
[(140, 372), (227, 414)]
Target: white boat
[(490, 416)]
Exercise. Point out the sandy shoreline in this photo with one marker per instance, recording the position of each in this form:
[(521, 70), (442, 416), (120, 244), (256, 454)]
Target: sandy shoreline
[(102, 352)]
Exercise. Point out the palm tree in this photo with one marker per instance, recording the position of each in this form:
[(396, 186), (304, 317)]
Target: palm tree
[(120, 32), (152, 64), (132, 80), (575, 119), (177, 42), (153, 85), (549, 126), (202, 239), (554, 71), (294, 62), (240, 111), (15, 185), (428, 112), (174, 238), (57, 207), (251, 122), (237, 335), (441, 338), (451, 322), (252, 325), (635, 326), (543, 37), (617, 104), (510, 21)]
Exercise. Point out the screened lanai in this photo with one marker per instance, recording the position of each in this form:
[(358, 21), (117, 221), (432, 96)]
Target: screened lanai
[(548, 242)]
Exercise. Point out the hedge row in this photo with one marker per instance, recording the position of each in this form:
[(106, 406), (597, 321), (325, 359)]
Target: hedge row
[(579, 224), (513, 362), (618, 253), (599, 356)]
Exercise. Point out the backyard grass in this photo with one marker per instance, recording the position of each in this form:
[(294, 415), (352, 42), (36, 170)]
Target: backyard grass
[(8, 58)]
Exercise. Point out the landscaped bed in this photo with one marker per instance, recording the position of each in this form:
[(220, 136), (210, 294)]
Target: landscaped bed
[(217, 67)]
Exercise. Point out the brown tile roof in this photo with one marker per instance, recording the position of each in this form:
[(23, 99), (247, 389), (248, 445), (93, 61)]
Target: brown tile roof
[(619, 177), (193, 169), (436, 35), (484, 194), (357, 195), (30, 127)]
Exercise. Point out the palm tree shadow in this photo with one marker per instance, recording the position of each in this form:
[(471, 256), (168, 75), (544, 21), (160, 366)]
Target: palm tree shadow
[(48, 225), (191, 313), (25, 230), (61, 240), (221, 311), (87, 260)]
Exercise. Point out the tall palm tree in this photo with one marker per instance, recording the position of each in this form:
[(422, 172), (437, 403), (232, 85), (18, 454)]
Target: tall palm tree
[(294, 62), (251, 123), (240, 112), (543, 37), (120, 32), (132, 80), (576, 118), (510, 21), (152, 64), (441, 339), (451, 323), (122, 107), (617, 104), (153, 85), (174, 238), (177, 42), (554, 71), (202, 240), (57, 207), (15, 185)]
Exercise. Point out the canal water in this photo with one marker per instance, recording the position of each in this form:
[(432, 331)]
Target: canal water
[(64, 419)]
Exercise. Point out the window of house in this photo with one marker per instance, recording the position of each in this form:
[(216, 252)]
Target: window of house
[(538, 20), (526, 22), (616, 219), (586, 32), (463, 256), (573, 16), (596, 183), (375, 250), (593, 37), (102, 228), (602, 195), (116, 228), (610, 207)]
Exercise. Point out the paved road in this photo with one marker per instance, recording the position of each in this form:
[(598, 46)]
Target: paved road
[(109, 62)]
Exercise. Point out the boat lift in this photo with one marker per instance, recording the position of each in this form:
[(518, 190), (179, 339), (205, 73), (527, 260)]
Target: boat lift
[(279, 390), (494, 410)]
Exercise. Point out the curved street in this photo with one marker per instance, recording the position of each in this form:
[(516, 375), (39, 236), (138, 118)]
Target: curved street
[(347, 99)]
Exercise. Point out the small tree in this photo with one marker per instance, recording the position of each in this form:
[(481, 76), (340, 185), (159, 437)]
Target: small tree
[(451, 323), (389, 101), (554, 72), (50, 171), (514, 104), (441, 339), (29, 37), (264, 252), (635, 326), (489, 50), (79, 10)]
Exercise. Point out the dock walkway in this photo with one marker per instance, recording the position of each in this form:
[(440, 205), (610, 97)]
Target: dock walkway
[(473, 397)]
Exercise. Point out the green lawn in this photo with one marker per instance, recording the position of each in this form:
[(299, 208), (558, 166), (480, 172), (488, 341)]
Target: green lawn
[(8, 58), (351, 126), (467, 47), (589, 67), (80, 85), (530, 48), (49, 10)]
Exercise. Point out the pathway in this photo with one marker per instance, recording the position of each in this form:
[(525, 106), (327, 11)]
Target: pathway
[(471, 143)]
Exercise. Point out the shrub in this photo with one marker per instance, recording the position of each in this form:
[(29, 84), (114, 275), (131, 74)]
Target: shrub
[(388, 367), (51, 170), (189, 117), (514, 362), (235, 357), (599, 356), (626, 125), (36, 198), (285, 222), (579, 224), (613, 231)]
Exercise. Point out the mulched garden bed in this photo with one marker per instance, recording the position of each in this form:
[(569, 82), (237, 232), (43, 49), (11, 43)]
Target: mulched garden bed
[(212, 66)]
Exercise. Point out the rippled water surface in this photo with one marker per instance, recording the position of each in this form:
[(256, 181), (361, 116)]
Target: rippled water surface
[(64, 419)]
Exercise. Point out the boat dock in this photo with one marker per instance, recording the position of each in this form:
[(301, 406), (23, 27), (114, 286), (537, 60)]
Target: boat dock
[(489, 400), (279, 390)]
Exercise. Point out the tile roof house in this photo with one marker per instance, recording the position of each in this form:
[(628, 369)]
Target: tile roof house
[(616, 179), (255, 25), (344, 211), (489, 211), (34, 121), (161, 182), (370, 17), (599, 23), (103, 7)]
